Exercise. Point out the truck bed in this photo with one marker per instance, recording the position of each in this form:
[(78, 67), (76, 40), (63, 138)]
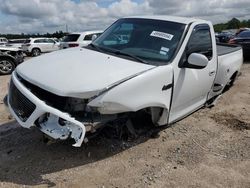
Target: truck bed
[(229, 63), (223, 49)]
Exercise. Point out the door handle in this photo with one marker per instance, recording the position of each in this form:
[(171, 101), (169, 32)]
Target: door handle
[(166, 87), (211, 73)]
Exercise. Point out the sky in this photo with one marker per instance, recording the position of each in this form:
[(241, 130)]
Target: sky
[(42, 16)]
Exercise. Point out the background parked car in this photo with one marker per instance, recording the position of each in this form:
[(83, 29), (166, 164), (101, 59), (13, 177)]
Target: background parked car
[(224, 37), (16, 43), (78, 39), (36, 46), (243, 39), (56, 39), (9, 59), (241, 30), (3, 41)]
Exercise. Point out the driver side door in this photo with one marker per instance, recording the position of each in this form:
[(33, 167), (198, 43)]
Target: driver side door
[(192, 85)]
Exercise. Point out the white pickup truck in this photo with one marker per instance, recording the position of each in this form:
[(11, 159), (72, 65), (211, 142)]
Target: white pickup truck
[(165, 66)]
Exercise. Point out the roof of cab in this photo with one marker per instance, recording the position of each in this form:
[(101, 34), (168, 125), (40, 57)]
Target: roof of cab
[(183, 20), (87, 32)]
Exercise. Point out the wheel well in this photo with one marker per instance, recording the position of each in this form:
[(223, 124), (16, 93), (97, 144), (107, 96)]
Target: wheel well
[(8, 58), (234, 75), (36, 48), (231, 82), (156, 115), (159, 115)]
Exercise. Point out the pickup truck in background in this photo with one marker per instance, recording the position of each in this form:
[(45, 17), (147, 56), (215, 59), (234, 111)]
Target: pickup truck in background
[(167, 67)]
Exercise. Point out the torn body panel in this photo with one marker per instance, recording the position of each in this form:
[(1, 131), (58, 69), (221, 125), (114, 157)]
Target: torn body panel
[(149, 86), (73, 128), (56, 116), (64, 117)]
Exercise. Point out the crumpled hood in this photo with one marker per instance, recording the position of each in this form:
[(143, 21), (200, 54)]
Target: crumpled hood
[(78, 72)]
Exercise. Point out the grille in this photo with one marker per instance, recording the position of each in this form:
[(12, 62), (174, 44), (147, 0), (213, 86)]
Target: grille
[(22, 106)]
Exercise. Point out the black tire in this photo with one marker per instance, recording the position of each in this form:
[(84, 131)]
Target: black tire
[(230, 82), (7, 66), (36, 52), (28, 54)]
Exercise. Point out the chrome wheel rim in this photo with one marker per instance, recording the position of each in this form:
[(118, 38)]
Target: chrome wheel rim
[(5, 66), (36, 52)]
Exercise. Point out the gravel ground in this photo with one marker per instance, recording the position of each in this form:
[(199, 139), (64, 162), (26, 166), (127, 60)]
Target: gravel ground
[(210, 148)]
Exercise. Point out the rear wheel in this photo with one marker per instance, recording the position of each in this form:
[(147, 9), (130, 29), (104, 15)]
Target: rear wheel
[(230, 82), (36, 52), (6, 66), (232, 79)]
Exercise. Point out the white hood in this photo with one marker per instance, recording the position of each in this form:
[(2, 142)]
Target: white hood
[(78, 72)]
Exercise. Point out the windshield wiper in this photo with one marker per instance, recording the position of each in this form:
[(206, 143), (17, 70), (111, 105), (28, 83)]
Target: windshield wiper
[(96, 47), (118, 52)]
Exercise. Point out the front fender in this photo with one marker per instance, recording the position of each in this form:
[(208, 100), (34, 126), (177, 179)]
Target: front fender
[(149, 89), (7, 56)]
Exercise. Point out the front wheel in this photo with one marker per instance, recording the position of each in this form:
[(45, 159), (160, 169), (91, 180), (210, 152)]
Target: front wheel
[(36, 52), (6, 66)]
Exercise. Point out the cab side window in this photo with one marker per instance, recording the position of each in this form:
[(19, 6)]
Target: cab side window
[(88, 37), (50, 41), (200, 42), (39, 41)]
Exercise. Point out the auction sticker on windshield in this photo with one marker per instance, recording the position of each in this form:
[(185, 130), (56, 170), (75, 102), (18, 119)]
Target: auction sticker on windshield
[(162, 35)]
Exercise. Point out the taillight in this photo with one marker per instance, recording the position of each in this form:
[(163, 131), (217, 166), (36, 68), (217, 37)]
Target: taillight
[(73, 45), (231, 41)]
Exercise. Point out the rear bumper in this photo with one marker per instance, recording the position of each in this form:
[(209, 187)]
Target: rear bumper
[(46, 118), (26, 49)]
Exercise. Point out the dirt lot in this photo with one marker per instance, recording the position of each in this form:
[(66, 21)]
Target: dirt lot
[(210, 148)]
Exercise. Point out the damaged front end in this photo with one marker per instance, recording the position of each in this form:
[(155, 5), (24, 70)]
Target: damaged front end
[(57, 116), (59, 128)]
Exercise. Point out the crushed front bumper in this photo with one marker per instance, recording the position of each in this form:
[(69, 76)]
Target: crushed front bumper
[(54, 123)]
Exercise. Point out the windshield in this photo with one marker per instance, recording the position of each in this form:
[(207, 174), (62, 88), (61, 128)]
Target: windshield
[(151, 40), (71, 38)]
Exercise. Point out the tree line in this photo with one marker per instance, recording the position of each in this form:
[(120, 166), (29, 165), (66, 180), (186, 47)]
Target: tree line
[(57, 34), (232, 24)]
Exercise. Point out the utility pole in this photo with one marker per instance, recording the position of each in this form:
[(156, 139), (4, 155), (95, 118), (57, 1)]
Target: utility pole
[(66, 28)]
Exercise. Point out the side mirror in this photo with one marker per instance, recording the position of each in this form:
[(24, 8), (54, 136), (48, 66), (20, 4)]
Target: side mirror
[(93, 37), (196, 61)]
